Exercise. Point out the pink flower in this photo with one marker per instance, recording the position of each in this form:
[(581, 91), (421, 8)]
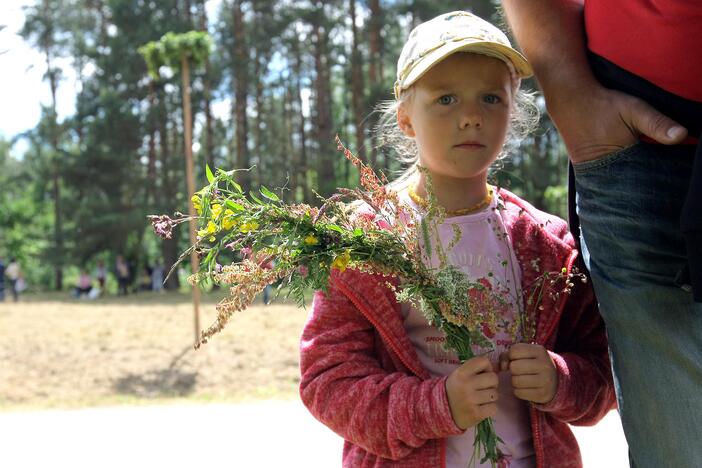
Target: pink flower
[(163, 225), (383, 224), (367, 215)]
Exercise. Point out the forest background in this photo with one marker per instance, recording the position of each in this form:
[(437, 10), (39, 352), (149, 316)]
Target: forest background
[(283, 78)]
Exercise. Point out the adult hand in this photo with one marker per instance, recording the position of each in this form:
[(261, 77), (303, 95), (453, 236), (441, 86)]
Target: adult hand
[(597, 121), (472, 392), (534, 375)]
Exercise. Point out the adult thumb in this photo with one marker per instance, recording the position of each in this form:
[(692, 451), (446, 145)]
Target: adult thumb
[(648, 121)]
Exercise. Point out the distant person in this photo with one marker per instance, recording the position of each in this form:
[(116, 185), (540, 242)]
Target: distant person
[(122, 273), (101, 275), (2, 281), (145, 282), (268, 264), (21, 284), (13, 272), (157, 277), (84, 285)]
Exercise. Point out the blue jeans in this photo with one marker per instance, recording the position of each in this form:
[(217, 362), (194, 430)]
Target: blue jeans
[(629, 205)]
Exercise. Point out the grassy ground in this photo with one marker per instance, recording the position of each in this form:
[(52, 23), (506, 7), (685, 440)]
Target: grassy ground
[(62, 353)]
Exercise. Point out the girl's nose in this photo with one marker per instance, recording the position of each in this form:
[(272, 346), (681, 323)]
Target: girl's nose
[(471, 117)]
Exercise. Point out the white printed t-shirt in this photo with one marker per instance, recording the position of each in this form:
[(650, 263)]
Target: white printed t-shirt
[(484, 253)]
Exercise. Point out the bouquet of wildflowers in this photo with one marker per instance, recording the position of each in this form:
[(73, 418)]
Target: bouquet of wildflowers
[(368, 229)]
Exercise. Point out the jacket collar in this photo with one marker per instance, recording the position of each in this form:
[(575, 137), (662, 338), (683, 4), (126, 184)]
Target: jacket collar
[(542, 243)]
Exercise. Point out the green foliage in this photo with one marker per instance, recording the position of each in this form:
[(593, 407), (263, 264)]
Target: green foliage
[(120, 156), (26, 221), (172, 47)]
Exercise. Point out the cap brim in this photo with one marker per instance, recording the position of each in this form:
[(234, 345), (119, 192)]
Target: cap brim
[(521, 66)]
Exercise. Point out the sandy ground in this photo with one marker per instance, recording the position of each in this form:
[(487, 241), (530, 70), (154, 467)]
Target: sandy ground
[(71, 354), (262, 434), (116, 383)]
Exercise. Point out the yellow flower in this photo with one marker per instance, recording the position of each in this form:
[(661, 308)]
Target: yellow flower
[(197, 203), (229, 221), (341, 261), (248, 226), (210, 229), (311, 240), (216, 210)]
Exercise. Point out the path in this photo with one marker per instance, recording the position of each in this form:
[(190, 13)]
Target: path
[(261, 434)]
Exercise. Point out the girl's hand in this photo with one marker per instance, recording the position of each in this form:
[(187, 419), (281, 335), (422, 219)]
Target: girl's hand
[(472, 392), (534, 375)]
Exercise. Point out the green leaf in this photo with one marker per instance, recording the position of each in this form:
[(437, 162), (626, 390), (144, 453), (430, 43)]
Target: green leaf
[(334, 227), (358, 232), (255, 198), (234, 206), (268, 194), (208, 173), (207, 261), (425, 235)]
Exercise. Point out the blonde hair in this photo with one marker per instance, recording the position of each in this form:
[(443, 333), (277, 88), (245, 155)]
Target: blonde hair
[(524, 118)]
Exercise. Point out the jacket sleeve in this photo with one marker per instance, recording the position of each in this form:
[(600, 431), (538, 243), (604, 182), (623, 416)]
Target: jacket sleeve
[(585, 392), (344, 385)]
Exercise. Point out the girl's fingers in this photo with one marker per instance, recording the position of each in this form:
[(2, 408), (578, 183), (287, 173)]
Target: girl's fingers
[(488, 410), (526, 394), (486, 397), (485, 381), (525, 366), (524, 351), (527, 381)]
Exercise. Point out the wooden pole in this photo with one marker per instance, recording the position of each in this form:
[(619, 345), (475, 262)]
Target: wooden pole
[(190, 174)]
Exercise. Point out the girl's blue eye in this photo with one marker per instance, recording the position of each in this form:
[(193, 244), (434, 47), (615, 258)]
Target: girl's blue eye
[(446, 99), (491, 99)]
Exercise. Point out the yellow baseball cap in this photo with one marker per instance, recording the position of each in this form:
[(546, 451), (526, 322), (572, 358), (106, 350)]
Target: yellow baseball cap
[(458, 31)]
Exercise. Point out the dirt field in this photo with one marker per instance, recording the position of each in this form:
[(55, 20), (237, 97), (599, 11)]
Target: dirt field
[(138, 350)]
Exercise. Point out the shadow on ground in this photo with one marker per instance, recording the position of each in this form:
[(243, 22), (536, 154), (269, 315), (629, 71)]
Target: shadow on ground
[(168, 382)]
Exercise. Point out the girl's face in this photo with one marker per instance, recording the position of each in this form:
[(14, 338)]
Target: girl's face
[(458, 114)]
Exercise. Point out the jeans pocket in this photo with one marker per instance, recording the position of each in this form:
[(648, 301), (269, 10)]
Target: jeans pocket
[(605, 160)]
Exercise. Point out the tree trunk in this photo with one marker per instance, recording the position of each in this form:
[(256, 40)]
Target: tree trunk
[(151, 184), (207, 95), (240, 95), (258, 123), (302, 167), (169, 248), (47, 45), (357, 89), (374, 42), (190, 175), (375, 67), (326, 179), (188, 14), (292, 157)]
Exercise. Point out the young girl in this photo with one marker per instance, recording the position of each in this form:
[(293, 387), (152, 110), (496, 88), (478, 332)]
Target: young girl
[(375, 371)]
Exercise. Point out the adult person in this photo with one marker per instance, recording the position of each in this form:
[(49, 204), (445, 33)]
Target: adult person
[(122, 273), (101, 275), (2, 281), (13, 273), (615, 75)]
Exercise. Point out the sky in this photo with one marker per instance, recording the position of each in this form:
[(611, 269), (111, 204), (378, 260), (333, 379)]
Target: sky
[(22, 88)]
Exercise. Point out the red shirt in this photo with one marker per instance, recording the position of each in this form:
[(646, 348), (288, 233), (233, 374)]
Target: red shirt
[(658, 40)]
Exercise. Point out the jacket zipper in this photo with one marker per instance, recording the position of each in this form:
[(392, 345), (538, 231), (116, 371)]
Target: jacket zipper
[(393, 347), (536, 424)]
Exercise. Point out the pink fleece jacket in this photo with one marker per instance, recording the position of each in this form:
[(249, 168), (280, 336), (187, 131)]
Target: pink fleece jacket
[(362, 378)]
